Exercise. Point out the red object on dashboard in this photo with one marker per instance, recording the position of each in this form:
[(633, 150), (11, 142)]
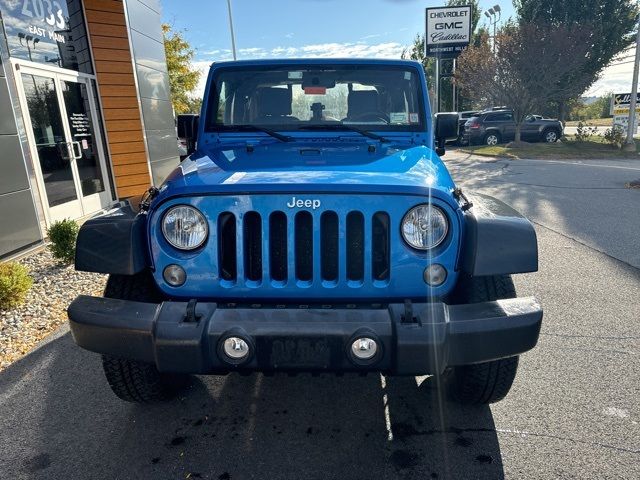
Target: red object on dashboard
[(315, 90)]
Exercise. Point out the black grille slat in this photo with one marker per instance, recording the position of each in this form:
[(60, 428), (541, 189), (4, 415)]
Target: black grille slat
[(227, 255), (380, 246), (304, 246), (252, 238), (329, 254), (355, 246), (278, 246)]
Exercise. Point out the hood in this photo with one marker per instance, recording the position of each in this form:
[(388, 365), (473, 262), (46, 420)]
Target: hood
[(319, 165)]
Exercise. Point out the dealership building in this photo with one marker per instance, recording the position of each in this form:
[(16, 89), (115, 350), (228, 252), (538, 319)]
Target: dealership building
[(85, 111)]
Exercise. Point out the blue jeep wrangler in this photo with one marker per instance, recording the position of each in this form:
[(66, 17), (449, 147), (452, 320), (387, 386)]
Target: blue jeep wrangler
[(313, 227)]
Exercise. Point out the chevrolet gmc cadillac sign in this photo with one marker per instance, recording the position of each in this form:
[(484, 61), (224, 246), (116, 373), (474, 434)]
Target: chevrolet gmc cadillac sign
[(448, 31)]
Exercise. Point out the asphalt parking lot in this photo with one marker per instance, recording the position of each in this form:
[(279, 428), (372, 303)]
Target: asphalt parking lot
[(573, 412)]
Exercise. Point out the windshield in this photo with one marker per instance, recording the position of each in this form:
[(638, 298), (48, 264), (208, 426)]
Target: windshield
[(295, 97)]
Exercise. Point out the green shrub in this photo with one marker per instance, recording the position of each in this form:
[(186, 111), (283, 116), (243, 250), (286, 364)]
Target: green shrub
[(15, 282), (584, 131), (615, 136), (63, 236)]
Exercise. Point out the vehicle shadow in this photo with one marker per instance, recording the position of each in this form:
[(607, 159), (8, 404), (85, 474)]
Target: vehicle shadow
[(63, 422)]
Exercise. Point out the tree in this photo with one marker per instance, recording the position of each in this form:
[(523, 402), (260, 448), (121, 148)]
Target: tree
[(194, 104), (183, 77), (612, 23), (531, 65), (598, 108)]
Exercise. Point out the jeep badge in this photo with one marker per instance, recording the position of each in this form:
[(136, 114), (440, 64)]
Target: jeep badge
[(299, 203)]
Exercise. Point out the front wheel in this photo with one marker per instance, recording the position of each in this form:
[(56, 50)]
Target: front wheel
[(132, 380), (492, 139), (140, 382), (550, 136), (487, 382), (481, 383)]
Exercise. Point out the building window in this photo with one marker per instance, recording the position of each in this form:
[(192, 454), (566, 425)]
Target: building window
[(52, 32)]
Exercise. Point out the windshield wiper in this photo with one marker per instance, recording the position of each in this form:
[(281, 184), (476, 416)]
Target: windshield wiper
[(268, 131), (342, 126)]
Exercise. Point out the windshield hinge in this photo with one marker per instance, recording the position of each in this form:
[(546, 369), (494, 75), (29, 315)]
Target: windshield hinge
[(148, 196), (461, 197)]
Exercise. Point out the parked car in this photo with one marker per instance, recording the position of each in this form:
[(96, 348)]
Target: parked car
[(291, 240), (498, 126), (462, 119)]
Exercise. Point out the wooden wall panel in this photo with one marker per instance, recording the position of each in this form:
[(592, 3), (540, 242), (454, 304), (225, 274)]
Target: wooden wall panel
[(114, 67), (132, 168), (114, 70), (110, 42), (122, 125), (127, 147)]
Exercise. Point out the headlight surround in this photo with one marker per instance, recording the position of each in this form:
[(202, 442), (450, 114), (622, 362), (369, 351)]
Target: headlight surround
[(184, 227), (424, 227)]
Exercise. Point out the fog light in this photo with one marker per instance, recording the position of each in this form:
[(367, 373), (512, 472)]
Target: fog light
[(174, 275), (364, 348), (435, 274), (235, 348)]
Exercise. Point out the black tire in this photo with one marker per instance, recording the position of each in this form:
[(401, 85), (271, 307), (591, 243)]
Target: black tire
[(488, 382), (483, 289), (488, 139), (140, 382), (131, 380), (550, 135)]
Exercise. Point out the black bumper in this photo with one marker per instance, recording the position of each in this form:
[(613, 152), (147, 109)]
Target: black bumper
[(422, 340)]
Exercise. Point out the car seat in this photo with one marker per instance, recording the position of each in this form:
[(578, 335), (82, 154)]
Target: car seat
[(363, 106), (274, 106)]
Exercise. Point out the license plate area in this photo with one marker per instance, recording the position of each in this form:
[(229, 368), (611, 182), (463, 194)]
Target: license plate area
[(299, 352)]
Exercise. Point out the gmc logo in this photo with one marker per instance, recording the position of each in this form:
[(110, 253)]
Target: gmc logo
[(447, 26), (299, 203)]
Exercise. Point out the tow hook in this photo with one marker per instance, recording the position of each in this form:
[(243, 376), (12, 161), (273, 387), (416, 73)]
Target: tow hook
[(190, 315), (408, 312)]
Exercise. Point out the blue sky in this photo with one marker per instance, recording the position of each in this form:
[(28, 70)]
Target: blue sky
[(310, 28)]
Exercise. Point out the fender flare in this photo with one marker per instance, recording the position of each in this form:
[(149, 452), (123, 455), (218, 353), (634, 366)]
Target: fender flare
[(113, 242), (497, 239)]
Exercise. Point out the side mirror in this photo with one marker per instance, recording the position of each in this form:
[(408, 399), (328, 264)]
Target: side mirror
[(187, 126), (445, 128)]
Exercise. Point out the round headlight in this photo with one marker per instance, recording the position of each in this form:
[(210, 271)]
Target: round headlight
[(184, 227), (424, 227)]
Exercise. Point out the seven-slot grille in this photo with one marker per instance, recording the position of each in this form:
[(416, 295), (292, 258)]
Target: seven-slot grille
[(304, 248)]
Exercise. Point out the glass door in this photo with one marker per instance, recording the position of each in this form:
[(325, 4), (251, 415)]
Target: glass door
[(50, 146), (67, 153), (86, 149)]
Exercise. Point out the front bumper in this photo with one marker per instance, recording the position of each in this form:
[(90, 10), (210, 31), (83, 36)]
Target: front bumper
[(414, 339)]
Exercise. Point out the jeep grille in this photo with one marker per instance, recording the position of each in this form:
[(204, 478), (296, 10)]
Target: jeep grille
[(341, 243)]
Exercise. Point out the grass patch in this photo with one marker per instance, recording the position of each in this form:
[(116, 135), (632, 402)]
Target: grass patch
[(595, 148), (598, 122)]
